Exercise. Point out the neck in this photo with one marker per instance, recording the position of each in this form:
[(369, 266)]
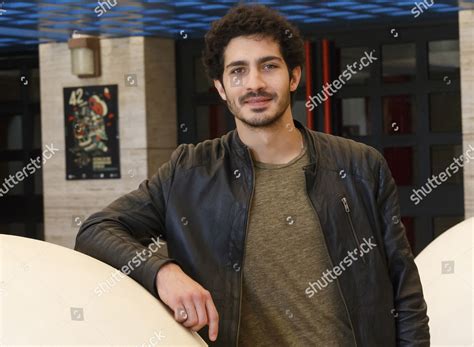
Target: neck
[(277, 144)]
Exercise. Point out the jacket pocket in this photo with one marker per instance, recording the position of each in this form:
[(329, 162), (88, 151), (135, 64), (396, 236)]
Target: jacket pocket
[(349, 218)]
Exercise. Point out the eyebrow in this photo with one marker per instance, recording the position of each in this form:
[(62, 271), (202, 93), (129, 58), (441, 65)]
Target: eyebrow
[(259, 61)]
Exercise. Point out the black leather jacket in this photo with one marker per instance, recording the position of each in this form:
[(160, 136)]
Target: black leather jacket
[(199, 202)]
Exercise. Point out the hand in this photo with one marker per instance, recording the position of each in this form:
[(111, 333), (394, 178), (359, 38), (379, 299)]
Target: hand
[(191, 303)]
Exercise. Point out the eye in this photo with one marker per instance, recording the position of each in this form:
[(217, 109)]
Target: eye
[(270, 66), (239, 70)]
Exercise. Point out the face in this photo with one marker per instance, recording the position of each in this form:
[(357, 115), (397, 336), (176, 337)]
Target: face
[(256, 85)]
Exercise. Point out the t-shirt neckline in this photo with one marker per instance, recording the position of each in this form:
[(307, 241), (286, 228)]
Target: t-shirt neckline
[(262, 165)]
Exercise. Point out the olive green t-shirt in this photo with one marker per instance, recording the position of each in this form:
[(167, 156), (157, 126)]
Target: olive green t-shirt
[(284, 251)]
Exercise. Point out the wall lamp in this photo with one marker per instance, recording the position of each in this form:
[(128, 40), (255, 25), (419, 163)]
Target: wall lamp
[(85, 55)]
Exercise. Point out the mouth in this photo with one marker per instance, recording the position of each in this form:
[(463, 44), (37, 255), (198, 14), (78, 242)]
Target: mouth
[(258, 102)]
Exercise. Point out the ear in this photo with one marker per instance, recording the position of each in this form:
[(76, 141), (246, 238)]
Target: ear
[(295, 78), (220, 89)]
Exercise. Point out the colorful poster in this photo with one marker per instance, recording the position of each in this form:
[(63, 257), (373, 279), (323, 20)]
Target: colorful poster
[(92, 132)]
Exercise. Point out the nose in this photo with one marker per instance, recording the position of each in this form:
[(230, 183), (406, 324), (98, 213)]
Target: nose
[(255, 80)]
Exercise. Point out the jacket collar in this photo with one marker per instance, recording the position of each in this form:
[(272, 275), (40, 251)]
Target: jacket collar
[(309, 135)]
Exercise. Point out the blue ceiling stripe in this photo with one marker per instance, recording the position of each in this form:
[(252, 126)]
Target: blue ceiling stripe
[(156, 27), (149, 19), (293, 8), (189, 16), (127, 25), (81, 11), (128, 8), (296, 17), (384, 10), (8, 12), (398, 14), (63, 18), (50, 8), (61, 25), (155, 11), (213, 7), (173, 22), (18, 4), (317, 10), (364, 7), (62, 2), (338, 14), (361, 16), (316, 20), (341, 3), (187, 3), (210, 19), (116, 30), (195, 25), (89, 29), (4, 31), (265, 2), (409, 3), (448, 9)]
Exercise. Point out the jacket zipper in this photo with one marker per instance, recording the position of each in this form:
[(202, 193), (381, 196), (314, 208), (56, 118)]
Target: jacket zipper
[(245, 244), (332, 266), (354, 234)]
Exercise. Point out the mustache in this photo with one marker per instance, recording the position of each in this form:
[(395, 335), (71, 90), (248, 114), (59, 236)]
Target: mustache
[(256, 95)]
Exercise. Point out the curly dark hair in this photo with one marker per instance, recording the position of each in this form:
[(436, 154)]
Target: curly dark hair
[(244, 20)]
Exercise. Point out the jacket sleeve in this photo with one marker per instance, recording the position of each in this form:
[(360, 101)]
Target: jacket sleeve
[(410, 307), (120, 233)]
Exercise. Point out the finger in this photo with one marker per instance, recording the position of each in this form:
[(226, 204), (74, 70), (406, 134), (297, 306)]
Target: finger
[(180, 314), (200, 305), (213, 318), (192, 315)]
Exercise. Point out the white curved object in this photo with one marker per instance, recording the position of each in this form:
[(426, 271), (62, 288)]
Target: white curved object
[(445, 268), (49, 296)]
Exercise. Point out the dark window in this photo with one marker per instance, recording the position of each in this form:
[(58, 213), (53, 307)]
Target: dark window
[(21, 208)]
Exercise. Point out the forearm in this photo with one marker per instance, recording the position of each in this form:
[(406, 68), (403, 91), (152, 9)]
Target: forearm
[(111, 243), (410, 308)]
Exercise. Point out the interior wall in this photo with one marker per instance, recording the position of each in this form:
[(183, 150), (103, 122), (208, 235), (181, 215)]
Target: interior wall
[(147, 126)]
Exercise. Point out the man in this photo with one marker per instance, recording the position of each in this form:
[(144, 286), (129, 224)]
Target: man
[(277, 235)]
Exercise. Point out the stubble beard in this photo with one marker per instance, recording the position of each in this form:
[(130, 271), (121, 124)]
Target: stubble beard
[(260, 117)]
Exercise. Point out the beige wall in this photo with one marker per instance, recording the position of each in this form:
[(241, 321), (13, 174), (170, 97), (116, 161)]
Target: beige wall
[(466, 43), (160, 94), (147, 125)]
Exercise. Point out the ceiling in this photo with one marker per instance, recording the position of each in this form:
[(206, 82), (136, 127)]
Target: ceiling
[(27, 23)]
